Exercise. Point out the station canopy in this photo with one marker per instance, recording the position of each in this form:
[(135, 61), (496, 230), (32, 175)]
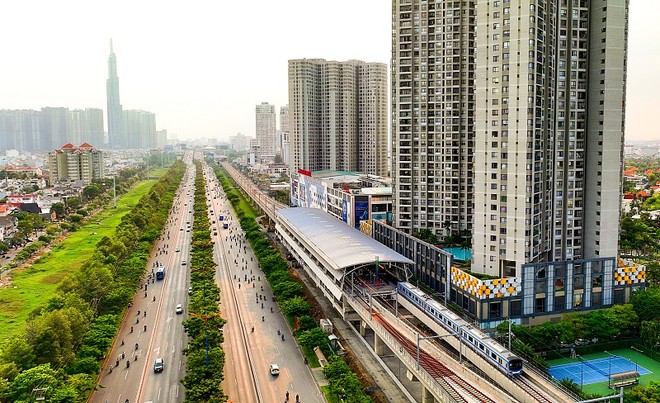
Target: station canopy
[(342, 246)]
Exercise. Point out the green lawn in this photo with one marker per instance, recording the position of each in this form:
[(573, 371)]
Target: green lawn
[(33, 286)]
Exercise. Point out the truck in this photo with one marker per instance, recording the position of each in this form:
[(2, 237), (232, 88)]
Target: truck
[(160, 273), (225, 225)]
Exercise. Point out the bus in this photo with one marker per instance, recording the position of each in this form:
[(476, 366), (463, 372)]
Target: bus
[(160, 273)]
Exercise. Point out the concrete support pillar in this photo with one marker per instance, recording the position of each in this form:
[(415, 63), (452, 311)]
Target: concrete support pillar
[(427, 397), (363, 328), (379, 345), (411, 377)]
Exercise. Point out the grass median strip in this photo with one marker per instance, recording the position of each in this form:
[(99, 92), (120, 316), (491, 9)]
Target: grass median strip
[(34, 285)]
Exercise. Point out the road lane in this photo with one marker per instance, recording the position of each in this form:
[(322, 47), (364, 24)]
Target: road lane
[(264, 345), (138, 380)]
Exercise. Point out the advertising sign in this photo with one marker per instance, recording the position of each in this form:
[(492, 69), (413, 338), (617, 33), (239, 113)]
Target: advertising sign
[(361, 212)]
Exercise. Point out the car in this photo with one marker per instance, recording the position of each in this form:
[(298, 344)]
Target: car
[(189, 290), (274, 369), (184, 263), (179, 309), (159, 365)]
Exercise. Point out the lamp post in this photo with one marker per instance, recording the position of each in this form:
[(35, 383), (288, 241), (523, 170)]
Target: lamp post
[(420, 338), (206, 317), (581, 360)]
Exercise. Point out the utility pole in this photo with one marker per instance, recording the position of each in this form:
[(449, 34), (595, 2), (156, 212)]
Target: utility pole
[(509, 334)]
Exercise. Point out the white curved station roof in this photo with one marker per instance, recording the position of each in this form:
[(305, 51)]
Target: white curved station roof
[(341, 245)]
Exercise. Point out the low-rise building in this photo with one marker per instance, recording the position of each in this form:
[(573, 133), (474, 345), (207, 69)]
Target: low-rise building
[(348, 196), (8, 226)]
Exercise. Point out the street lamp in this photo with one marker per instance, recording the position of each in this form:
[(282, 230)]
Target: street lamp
[(460, 347)]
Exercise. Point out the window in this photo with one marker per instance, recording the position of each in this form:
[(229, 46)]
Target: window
[(515, 308), (495, 310), (540, 305)]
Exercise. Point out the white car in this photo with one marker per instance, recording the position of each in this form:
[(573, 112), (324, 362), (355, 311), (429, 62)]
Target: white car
[(179, 309), (274, 369)]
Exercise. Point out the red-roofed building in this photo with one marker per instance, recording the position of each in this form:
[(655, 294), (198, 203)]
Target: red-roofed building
[(643, 194), (70, 164)]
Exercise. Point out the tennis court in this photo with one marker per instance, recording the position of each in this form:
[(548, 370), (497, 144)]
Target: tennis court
[(584, 372)]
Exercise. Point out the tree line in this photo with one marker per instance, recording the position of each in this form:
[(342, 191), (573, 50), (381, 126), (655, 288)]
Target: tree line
[(59, 354), (203, 375)]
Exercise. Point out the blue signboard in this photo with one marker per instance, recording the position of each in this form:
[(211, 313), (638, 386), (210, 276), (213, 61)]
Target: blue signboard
[(361, 212), (344, 210)]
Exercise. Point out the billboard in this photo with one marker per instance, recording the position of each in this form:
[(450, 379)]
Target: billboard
[(361, 211)]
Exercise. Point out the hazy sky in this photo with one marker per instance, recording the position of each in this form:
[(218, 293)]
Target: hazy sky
[(203, 65)]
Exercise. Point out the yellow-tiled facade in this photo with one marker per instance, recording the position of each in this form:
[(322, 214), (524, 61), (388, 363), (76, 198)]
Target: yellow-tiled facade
[(485, 289), (629, 272)]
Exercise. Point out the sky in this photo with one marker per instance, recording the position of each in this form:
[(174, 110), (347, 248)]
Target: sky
[(201, 66)]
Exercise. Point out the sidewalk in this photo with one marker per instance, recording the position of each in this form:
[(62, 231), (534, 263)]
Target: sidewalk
[(386, 390)]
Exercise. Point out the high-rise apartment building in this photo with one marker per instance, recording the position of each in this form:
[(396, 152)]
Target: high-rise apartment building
[(338, 116), (508, 125), (139, 129), (265, 130), (55, 127), (87, 126), (115, 114), (70, 163), (283, 139), (21, 130)]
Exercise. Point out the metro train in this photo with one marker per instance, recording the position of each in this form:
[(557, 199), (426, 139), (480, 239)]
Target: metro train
[(477, 340)]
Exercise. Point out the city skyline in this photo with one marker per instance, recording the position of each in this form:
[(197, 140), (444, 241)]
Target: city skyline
[(169, 68)]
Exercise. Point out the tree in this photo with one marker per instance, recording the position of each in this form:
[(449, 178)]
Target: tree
[(296, 306), (650, 394), (287, 289), (653, 273), (58, 209), (92, 191), (312, 338), (17, 350), (42, 376), (623, 318), (427, 235), (650, 332), (646, 303), (51, 338)]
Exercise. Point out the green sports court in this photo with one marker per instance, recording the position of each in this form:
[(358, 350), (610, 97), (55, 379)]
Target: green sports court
[(592, 371)]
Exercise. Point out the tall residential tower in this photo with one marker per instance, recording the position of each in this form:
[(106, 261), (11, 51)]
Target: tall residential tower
[(338, 116), (115, 114), (265, 130), (508, 125)]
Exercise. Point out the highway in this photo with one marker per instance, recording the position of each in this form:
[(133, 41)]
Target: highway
[(128, 374), (154, 308), (244, 304)]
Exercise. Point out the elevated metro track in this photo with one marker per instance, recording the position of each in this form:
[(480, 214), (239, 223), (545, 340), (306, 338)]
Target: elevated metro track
[(444, 379)]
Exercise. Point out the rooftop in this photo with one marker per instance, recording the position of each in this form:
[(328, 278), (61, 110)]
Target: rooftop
[(341, 245)]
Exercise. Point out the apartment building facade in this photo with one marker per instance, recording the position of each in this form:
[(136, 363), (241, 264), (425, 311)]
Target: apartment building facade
[(338, 116), (508, 126)]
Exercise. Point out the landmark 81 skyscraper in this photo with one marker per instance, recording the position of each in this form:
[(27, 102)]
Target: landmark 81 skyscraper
[(115, 114)]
